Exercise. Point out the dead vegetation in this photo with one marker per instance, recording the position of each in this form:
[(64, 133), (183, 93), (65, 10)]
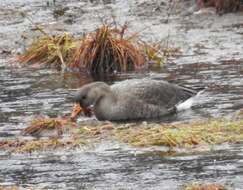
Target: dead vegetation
[(193, 186), (29, 146), (77, 137), (221, 6), (53, 51), (183, 135), (104, 51), (44, 127), (107, 50), (41, 125), (200, 186), (14, 188)]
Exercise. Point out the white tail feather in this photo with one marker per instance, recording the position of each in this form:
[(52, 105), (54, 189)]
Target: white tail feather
[(188, 103)]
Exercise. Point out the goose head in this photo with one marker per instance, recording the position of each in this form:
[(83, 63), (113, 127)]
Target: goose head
[(92, 93)]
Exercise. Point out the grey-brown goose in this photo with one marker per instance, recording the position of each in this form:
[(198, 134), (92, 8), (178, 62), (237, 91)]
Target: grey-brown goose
[(132, 99)]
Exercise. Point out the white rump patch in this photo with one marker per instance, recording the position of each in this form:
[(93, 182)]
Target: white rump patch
[(188, 103)]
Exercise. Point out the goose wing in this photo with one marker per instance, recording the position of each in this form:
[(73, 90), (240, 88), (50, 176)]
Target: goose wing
[(151, 91)]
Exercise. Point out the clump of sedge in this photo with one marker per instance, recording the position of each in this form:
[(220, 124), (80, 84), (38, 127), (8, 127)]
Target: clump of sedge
[(106, 50), (54, 51)]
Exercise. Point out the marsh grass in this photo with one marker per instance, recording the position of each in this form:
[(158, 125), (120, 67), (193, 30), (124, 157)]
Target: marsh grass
[(158, 53), (29, 146), (38, 125), (183, 135), (200, 186), (14, 188), (78, 136), (104, 51), (53, 51)]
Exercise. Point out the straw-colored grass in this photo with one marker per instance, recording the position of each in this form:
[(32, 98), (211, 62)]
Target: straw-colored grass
[(158, 53), (107, 50), (54, 51), (200, 186), (183, 135), (186, 135), (14, 188), (22, 146), (39, 125)]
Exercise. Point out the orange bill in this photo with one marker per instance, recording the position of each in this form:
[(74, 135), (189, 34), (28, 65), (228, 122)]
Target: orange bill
[(77, 109)]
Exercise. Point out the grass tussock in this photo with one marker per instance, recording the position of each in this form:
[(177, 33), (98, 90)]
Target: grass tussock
[(199, 186), (104, 51), (221, 6), (42, 125), (183, 135), (54, 51), (107, 50)]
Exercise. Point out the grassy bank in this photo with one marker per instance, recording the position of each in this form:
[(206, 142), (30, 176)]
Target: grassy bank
[(181, 135)]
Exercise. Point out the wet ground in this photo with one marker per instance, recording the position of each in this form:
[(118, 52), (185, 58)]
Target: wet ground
[(211, 57)]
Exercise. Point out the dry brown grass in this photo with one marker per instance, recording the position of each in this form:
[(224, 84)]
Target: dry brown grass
[(199, 186), (39, 125), (222, 6), (23, 146), (54, 51), (14, 188), (107, 50), (183, 135), (187, 135)]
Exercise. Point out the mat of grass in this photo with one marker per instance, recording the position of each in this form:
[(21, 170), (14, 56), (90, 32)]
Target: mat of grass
[(183, 135), (54, 51), (22, 146), (39, 126), (73, 136), (17, 188), (200, 186)]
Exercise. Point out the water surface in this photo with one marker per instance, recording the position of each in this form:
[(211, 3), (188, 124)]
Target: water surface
[(211, 59)]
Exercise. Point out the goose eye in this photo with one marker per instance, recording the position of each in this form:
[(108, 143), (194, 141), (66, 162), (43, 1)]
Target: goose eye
[(83, 97)]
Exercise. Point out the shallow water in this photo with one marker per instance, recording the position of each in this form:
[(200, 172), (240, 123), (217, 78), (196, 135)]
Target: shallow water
[(112, 166), (211, 59)]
